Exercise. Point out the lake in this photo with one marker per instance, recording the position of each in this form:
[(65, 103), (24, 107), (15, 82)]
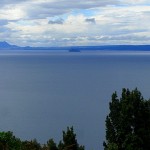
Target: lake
[(42, 92)]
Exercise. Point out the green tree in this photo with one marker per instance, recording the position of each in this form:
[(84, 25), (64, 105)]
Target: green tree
[(9, 142), (44, 147), (31, 145), (128, 123), (69, 141), (51, 145)]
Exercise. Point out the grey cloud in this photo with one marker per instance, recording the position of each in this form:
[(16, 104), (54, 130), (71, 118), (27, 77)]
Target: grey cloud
[(10, 2), (38, 12), (119, 38), (40, 9), (48, 9), (78, 4), (3, 22), (58, 21), (4, 30), (132, 38), (107, 39), (90, 20), (147, 12)]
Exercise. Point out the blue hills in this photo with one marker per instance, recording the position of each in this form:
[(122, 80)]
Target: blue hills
[(6, 46)]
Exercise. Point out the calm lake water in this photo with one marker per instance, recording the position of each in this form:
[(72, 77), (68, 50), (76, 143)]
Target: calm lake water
[(41, 93)]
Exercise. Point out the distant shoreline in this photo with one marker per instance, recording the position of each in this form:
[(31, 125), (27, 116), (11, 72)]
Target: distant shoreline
[(6, 46)]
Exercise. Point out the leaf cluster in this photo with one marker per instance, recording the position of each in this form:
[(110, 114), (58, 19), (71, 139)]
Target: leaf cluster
[(9, 142), (128, 123)]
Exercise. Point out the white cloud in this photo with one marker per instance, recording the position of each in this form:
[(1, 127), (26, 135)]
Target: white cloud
[(63, 22), (12, 13), (135, 2)]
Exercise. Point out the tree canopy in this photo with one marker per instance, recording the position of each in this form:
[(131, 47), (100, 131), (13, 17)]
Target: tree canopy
[(128, 123), (69, 142)]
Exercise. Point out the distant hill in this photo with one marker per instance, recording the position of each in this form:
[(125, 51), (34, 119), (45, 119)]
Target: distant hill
[(114, 47), (6, 46)]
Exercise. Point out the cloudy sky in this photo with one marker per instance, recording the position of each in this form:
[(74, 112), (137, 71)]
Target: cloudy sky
[(74, 22)]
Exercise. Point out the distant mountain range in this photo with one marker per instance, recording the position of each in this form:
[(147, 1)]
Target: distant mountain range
[(6, 46)]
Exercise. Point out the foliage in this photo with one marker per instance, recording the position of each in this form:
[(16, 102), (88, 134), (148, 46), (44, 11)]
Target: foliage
[(9, 142), (128, 123), (69, 141), (31, 145), (51, 145)]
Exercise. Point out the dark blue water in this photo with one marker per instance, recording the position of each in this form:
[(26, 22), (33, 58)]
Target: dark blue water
[(42, 93)]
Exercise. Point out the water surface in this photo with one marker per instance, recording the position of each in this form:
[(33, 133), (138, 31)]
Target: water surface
[(41, 93)]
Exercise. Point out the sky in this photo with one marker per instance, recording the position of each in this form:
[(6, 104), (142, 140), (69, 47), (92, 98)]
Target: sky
[(74, 22)]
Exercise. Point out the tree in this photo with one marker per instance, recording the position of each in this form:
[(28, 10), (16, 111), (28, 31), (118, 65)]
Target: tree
[(9, 141), (69, 141), (51, 145), (31, 145), (128, 123)]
